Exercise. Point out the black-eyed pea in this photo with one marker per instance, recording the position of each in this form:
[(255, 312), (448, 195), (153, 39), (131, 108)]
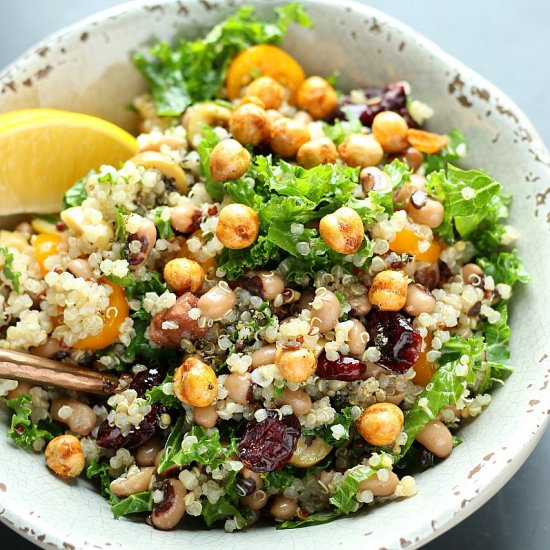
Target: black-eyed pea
[(185, 217), (249, 124), (238, 226), (317, 151), (263, 356), (268, 90), (325, 310), (229, 160), (140, 244), (283, 508), (168, 513), (248, 482), (388, 291), (207, 417), (266, 284), (80, 267), (296, 365), (412, 156), (195, 383), (390, 130), (299, 400), (437, 438), (256, 501), (357, 338), (49, 349), (287, 136), (138, 482), (374, 179), (380, 424), (472, 274), (184, 275), (424, 210), (238, 387), (342, 230), (79, 417), (361, 150), (380, 487), (419, 300), (64, 456), (217, 302), (146, 453)]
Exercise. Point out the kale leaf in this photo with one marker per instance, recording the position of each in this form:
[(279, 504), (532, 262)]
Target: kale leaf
[(75, 195), (133, 504), (454, 151), (195, 70)]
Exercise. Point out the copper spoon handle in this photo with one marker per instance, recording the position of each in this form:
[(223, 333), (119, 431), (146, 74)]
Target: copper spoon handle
[(45, 372)]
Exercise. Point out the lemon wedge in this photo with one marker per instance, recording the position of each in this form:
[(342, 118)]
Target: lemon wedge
[(43, 152)]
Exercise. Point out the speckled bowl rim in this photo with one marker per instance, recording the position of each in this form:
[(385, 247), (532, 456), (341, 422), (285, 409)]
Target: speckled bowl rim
[(26, 525)]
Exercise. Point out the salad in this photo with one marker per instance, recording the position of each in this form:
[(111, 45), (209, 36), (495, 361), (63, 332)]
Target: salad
[(303, 295)]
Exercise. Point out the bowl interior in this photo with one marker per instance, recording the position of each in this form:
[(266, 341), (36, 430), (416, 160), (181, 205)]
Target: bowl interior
[(87, 68)]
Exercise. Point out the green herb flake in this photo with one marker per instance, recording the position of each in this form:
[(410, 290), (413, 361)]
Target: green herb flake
[(162, 221), (76, 194), (7, 270)]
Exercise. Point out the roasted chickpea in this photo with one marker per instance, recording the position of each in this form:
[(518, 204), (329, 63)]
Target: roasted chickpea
[(254, 100), (390, 130), (249, 124), (303, 116), (287, 136), (361, 150), (238, 226), (342, 230), (374, 179), (317, 151), (317, 97), (268, 90), (380, 424), (424, 210), (64, 456), (388, 291), (273, 116), (217, 302), (296, 365), (229, 160), (184, 275), (195, 383)]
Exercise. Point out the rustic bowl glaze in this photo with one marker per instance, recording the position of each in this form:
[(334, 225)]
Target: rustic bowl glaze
[(87, 68)]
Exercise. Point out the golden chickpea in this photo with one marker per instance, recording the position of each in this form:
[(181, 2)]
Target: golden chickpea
[(253, 100), (303, 116), (273, 116), (229, 160), (361, 150), (317, 151), (184, 275), (342, 230), (388, 291), (287, 136), (317, 97), (268, 90), (238, 226), (64, 456), (296, 365), (249, 124), (380, 424), (390, 130), (195, 383)]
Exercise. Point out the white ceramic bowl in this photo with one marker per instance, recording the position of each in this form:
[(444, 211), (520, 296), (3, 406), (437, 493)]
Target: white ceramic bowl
[(87, 68)]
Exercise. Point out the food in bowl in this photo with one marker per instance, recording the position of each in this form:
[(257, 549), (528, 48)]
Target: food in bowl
[(303, 296)]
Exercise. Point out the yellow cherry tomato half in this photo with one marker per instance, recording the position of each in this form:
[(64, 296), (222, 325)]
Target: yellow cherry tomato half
[(406, 241), (264, 60), (45, 245), (114, 316)]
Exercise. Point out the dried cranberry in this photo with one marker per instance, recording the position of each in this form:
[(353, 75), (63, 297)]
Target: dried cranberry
[(347, 369), (369, 112), (394, 337), (145, 380), (268, 445), (394, 98), (110, 437)]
